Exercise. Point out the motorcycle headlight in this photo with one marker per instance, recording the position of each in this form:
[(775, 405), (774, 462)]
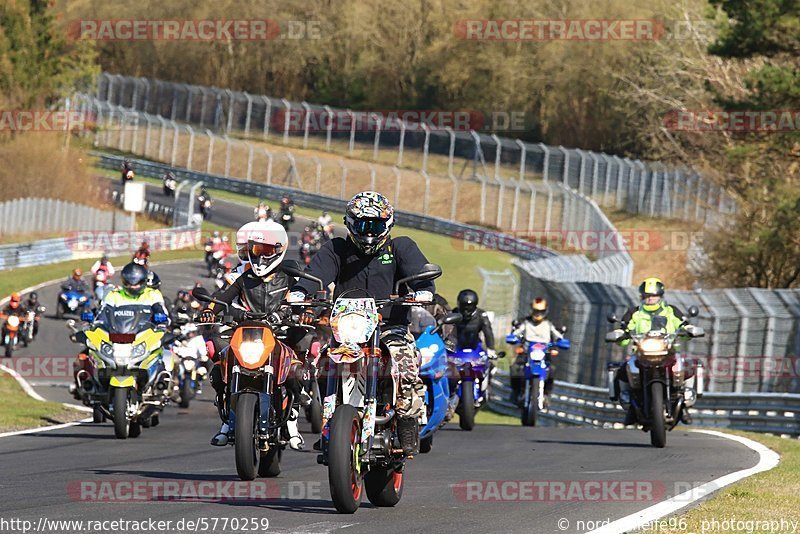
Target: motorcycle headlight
[(83, 298), (188, 364), (251, 351), (122, 354), (351, 328), (13, 321), (653, 346), (138, 351), (107, 350)]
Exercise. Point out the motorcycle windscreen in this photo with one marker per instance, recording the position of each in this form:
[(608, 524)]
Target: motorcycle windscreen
[(127, 319), (252, 346)]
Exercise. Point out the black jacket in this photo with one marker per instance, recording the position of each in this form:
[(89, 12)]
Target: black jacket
[(468, 329), (339, 261), (256, 295)]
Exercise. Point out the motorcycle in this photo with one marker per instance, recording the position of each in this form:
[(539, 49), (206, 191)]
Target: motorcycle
[(469, 371), (11, 333), (433, 371), (537, 370), (255, 367), (28, 326), (205, 208), (122, 375), (190, 357), (72, 301), (170, 184), (359, 442), (307, 252), (659, 386)]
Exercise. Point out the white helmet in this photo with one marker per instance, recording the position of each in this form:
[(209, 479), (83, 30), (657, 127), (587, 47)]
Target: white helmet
[(266, 247), (241, 239)]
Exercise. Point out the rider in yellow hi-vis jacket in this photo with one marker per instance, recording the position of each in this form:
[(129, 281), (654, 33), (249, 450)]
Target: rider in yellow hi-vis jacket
[(638, 319)]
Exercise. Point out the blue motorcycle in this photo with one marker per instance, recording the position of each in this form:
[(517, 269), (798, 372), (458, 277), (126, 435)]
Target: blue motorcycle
[(537, 369), (433, 371), (469, 372), (72, 301)]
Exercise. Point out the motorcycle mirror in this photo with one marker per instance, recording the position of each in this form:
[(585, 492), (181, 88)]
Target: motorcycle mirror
[(451, 318), (429, 271), (611, 318), (292, 268), (201, 294), (693, 311), (564, 329)]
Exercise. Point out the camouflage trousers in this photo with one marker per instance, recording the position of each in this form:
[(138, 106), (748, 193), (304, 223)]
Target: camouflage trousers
[(411, 394)]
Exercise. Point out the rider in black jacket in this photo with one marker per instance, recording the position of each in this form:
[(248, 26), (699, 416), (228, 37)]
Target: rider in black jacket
[(369, 259), (474, 321)]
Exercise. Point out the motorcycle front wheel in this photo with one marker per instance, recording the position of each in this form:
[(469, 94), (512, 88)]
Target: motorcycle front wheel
[(121, 413), (246, 435), (531, 407), (186, 392), (384, 486), (315, 410), (466, 414), (658, 429), (346, 482)]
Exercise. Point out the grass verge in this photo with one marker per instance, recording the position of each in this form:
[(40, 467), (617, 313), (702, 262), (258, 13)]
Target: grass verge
[(488, 417), (18, 411), (769, 496)]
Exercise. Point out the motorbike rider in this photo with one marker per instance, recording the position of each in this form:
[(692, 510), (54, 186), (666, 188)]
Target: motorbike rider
[(474, 321), (169, 182), (75, 282), (142, 254), (15, 306), (127, 170), (638, 320), (202, 198), (324, 220), (262, 212), (259, 289), (103, 264), (32, 303), (533, 328), (369, 259)]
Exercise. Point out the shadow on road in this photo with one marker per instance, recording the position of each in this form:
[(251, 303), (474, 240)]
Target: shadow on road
[(593, 443)]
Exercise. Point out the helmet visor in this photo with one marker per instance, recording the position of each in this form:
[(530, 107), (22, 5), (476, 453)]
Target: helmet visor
[(265, 250), (369, 227)]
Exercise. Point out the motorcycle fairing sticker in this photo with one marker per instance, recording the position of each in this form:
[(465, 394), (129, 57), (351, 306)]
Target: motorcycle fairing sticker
[(365, 307), (368, 430)]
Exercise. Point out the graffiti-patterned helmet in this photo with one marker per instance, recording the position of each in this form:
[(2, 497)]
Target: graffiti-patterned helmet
[(369, 219)]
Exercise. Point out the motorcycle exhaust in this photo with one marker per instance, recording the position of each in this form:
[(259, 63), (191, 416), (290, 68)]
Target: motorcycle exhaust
[(383, 419), (82, 377), (611, 371)]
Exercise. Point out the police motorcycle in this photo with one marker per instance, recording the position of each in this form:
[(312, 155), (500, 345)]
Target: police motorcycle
[(122, 374), (359, 442), (661, 382)]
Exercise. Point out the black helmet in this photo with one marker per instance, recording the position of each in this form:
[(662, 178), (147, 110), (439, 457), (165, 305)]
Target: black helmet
[(153, 280), (467, 302), (134, 279), (33, 296)]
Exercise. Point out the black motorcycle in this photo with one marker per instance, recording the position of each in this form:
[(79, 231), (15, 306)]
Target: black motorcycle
[(661, 383)]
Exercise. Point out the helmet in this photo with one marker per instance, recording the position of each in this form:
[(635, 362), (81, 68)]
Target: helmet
[(538, 309), (467, 302), (134, 278), (14, 300), (369, 218), (104, 259), (183, 295), (33, 297), (153, 280), (266, 247), (651, 290), (76, 274), (241, 239), (129, 175)]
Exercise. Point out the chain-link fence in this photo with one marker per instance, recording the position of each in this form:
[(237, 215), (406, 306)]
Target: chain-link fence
[(751, 343), (630, 185), (523, 208)]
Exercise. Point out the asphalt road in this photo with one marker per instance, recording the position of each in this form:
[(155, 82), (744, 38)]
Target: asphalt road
[(479, 481)]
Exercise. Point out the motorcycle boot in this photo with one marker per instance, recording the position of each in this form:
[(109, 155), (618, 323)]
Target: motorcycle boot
[(408, 433), (296, 440), (220, 439)]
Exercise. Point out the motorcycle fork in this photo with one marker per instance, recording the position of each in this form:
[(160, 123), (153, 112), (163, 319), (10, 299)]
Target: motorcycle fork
[(647, 382), (371, 394)]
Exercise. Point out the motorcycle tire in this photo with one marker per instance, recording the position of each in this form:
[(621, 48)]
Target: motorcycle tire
[(269, 464), (246, 434), (346, 484), (186, 392), (425, 445), (9, 350), (530, 411), (466, 414), (120, 410), (59, 311), (658, 427), (384, 486), (315, 412), (97, 415)]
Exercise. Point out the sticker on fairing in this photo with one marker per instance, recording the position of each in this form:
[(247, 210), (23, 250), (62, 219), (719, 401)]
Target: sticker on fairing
[(368, 428)]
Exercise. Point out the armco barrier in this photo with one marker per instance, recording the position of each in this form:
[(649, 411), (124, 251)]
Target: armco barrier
[(576, 404)]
